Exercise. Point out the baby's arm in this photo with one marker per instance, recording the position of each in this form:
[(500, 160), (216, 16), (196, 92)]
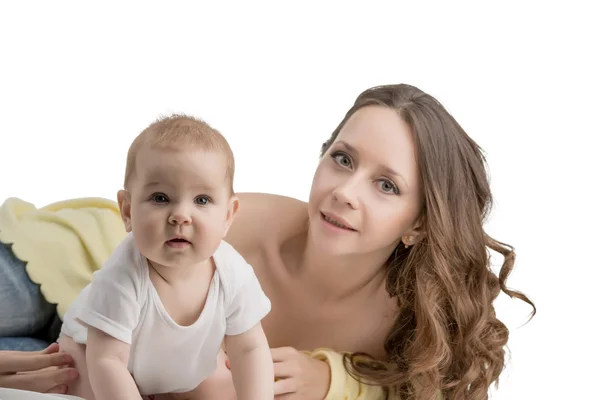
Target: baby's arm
[(106, 359), (251, 364)]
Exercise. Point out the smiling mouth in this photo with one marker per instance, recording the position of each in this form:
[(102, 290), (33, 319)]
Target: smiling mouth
[(336, 223)]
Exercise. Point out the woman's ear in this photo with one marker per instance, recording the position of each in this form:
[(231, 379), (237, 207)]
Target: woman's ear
[(124, 201), (416, 234), (232, 209), (410, 239)]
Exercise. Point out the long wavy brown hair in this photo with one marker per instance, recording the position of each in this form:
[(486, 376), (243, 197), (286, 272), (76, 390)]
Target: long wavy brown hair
[(446, 340)]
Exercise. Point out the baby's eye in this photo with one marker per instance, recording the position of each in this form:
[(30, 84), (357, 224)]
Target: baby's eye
[(342, 159), (202, 200), (159, 198)]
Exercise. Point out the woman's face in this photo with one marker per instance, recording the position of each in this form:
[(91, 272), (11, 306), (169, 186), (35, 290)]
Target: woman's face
[(366, 192)]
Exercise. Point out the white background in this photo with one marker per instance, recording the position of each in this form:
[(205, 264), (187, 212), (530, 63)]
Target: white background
[(79, 81)]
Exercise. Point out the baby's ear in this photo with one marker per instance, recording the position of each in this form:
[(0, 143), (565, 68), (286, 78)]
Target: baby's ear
[(232, 209), (124, 200)]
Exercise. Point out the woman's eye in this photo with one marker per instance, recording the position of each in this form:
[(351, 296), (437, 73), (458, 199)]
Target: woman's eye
[(159, 198), (342, 159), (202, 200), (387, 186)]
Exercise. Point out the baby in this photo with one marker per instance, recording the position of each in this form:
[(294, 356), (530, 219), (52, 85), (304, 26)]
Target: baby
[(154, 318)]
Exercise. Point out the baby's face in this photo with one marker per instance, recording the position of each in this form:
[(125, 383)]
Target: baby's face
[(180, 205)]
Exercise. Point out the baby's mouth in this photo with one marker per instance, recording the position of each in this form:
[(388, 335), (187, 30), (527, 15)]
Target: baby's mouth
[(178, 242)]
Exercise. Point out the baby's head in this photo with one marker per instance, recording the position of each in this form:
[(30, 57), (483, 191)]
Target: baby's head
[(178, 197)]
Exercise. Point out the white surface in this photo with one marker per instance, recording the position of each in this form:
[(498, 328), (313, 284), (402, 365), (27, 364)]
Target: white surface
[(14, 394), (79, 80)]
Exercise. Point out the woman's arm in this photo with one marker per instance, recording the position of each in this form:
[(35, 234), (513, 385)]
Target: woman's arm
[(319, 375), (106, 359)]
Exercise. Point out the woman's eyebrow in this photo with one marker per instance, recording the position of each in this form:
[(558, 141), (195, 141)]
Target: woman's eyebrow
[(347, 146), (385, 168), (393, 172)]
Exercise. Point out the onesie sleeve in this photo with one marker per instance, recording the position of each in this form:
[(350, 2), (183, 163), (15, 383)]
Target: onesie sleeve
[(113, 303), (249, 304)]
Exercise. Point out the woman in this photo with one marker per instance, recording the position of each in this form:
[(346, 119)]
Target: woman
[(387, 265)]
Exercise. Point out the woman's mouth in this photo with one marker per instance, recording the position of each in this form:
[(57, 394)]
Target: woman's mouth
[(332, 221)]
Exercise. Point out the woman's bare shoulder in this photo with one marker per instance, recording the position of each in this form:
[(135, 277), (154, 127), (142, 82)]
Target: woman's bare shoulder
[(263, 216)]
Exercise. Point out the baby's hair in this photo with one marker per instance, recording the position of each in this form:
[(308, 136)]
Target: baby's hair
[(179, 132)]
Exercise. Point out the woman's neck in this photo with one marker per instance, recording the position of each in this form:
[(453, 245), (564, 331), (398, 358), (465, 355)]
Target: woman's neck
[(336, 277)]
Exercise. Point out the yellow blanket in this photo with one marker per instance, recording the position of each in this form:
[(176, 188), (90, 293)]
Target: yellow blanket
[(62, 243)]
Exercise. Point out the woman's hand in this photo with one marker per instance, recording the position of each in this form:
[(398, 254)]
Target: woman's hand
[(46, 371), (299, 376)]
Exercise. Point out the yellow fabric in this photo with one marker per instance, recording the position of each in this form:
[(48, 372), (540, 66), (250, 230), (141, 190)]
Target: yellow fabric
[(62, 243), (342, 385)]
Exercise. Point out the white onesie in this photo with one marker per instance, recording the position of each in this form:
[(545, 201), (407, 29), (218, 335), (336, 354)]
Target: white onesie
[(164, 356)]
